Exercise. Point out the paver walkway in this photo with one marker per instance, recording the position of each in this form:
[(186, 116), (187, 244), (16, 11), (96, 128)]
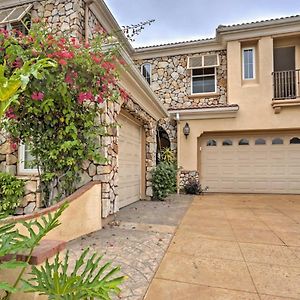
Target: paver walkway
[(138, 243), (243, 247)]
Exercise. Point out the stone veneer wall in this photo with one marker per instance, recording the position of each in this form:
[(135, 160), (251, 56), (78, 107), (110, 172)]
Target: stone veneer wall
[(108, 173), (171, 81), (61, 14), (186, 177), (69, 16)]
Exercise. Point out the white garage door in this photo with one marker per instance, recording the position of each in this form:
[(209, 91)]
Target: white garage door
[(130, 150), (266, 163)]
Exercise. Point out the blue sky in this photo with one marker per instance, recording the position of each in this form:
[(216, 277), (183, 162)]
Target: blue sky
[(180, 20)]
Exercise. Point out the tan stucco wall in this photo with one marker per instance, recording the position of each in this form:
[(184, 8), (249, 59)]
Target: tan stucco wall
[(253, 98), (82, 217)]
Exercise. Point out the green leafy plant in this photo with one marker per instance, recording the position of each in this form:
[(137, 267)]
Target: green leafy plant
[(10, 88), (11, 192), (87, 280), (164, 180), (12, 242), (168, 156)]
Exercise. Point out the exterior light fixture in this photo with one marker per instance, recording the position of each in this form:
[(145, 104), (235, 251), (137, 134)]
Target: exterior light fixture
[(186, 130)]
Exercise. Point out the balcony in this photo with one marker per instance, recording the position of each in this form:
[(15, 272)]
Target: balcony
[(286, 84), (286, 89)]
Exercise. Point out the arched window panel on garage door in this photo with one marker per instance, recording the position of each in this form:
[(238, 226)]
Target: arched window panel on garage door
[(260, 141), (295, 140), (211, 143), (243, 142), (227, 142), (277, 141)]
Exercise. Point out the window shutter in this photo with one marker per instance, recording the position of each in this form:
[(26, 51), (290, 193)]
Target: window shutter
[(203, 61)]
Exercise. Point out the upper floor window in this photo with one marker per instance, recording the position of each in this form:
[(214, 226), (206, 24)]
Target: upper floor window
[(204, 80), (203, 73), (25, 165), (248, 63), (16, 18), (146, 72)]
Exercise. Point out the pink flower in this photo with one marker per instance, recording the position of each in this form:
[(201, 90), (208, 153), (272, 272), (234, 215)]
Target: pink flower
[(108, 66), (83, 96), (37, 96), (14, 145), (65, 54), (69, 79), (10, 114), (100, 98), (124, 95), (17, 63), (96, 59), (62, 62)]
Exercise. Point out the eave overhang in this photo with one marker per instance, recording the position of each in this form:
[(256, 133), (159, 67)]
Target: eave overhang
[(205, 113)]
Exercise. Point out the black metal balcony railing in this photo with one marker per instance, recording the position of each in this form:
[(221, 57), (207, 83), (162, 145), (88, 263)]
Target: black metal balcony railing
[(286, 84)]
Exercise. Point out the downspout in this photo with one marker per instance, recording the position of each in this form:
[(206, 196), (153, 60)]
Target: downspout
[(86, 20), (178, 151)]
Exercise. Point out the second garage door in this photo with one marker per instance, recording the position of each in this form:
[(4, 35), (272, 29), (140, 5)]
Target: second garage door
[(248, 163), (130, 161)]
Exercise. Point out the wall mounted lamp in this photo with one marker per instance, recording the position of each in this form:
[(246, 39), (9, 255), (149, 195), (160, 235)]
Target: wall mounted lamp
[(186, 130)]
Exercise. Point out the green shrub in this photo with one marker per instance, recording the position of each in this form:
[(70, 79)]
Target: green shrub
[(11, 192), (164, 180)]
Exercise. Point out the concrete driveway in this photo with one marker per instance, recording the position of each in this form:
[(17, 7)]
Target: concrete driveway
[(233, 247)]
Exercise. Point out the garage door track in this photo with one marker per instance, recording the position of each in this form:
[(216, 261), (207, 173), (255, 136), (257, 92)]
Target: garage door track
[(233, 247)]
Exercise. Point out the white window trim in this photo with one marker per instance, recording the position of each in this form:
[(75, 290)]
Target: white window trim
[(205, 93), (254, 63), (147, 63), (21, 163)]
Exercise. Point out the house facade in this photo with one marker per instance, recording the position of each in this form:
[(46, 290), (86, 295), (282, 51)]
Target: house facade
[(227, 106), (236, 102)]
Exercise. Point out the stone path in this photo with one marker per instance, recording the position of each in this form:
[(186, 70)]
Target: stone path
[(139, 243), (233, 247)]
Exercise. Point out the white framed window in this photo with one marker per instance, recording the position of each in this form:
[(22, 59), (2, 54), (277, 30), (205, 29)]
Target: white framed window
[(25, 166), (146, 71), (204, 80), (248, 55)]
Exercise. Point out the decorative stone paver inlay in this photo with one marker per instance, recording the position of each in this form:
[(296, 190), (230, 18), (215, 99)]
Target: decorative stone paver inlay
[(138, 243), (138, 252)]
